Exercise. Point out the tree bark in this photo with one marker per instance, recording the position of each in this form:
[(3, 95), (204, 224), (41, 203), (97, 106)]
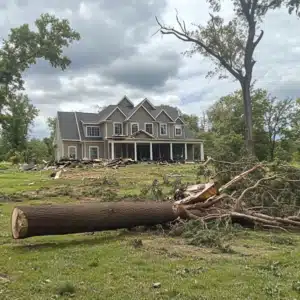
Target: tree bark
[(28, 221), (248, 115)]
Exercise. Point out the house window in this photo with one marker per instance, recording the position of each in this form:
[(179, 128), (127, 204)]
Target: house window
[(178, 130), (134, 128), (149, 128), (92, 131), (118, 128), (72, 152), (94, 152), (163, 129)]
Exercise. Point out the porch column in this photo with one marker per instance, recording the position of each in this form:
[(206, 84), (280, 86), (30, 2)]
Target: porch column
[(112, 150), (201, 152), (135, 152), (151, 151), (185, 151), (171, 151), (193, 150)]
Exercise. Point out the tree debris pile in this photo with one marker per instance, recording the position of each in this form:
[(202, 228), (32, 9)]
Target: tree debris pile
[(246, 192)]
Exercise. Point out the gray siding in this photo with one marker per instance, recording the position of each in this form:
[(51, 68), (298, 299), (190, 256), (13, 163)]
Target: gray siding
[(117, 116), (182, 136), (67, 144), (163, 118), (87, 145), (141, 117)]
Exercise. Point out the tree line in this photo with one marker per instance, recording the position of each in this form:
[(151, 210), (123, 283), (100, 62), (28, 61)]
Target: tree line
[(275, 127)]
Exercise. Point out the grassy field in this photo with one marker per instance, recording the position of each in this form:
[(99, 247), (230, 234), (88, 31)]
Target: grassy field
[(109, 265)]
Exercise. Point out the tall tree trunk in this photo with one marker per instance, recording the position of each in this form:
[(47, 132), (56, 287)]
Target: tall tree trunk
[(245, 84), (27, 221)]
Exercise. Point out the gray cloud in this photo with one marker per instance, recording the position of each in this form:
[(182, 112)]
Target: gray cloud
[(144, 71), (117, 55)]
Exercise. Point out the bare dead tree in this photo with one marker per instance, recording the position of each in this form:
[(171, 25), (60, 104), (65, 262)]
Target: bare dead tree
[(231, 45)]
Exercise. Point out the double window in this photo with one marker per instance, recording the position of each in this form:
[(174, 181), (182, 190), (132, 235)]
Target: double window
[(92, 131)]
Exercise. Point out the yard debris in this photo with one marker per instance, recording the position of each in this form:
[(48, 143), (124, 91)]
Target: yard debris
[(252, 194), (247, 192)]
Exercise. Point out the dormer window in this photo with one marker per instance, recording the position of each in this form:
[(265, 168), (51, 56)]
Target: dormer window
[(118, 128), (92, 131)]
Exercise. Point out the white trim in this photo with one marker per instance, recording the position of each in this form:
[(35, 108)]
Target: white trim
[(137, 108), (79, 134), (179, 119), (122, 129), (86, 131), (75, 147), (105, 130), (181, 141), (70, 140), (165, 113), (114, 111), (134, 123), (125, 97), (146, 130), (160, 124), (147, 100), (178, 126), (93, 141), (92, 123), (90, 147)]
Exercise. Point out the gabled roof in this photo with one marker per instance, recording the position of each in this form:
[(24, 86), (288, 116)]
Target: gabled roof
[(163, 111), (67, 125), (116, 108), (136, 109), (144, 132), (70, 123), (125, 98), (148, 101)]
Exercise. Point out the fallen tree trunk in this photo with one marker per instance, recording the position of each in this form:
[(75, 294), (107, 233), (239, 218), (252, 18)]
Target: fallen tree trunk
[(27, 221)]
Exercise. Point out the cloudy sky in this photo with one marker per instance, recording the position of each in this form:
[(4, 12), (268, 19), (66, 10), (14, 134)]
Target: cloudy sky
[(119, 55)]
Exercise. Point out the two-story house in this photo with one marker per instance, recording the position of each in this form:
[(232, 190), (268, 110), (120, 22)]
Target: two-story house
[(142, 132)]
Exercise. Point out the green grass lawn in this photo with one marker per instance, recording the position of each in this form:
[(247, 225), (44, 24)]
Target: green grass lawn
[(108, 265)]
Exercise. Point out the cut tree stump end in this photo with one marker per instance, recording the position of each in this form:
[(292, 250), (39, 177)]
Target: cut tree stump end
[(19, 224)]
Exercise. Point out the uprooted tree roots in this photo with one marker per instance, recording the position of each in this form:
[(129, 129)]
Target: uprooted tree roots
[(247, 192)]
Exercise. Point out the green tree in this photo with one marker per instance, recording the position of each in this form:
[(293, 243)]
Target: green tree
[(24, 46), (36, 151), (15, 127), (271, 119), (231, 45), (192, 122), (51, 121), (279, 117)]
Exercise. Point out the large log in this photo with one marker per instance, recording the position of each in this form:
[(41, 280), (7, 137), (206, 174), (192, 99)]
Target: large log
[(28, 221)]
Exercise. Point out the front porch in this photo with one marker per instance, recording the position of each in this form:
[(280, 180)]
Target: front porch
[(156, 150)]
